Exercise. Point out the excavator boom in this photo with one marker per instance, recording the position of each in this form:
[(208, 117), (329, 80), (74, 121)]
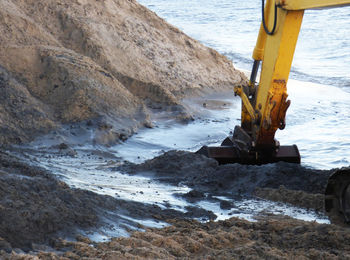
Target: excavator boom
[(264, 106)]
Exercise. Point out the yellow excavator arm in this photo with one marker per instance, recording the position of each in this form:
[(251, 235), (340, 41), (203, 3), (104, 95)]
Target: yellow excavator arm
[(264, 105)]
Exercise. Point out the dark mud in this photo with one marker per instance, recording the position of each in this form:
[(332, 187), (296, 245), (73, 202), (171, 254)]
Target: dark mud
[(36, 208), (297, 198), (37, 211), (205, 176)]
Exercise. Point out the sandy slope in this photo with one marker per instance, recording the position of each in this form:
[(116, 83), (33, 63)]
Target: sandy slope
[(65, 61)]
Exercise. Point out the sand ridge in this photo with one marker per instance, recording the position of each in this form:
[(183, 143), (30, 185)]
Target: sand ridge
[(109, 61)]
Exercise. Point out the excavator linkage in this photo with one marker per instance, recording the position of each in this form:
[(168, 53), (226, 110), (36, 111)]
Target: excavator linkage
[(264, 105)]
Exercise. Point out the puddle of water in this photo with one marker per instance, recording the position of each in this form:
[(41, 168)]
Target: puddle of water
[(112, 229), (249, 208), (92, 173), (86, 172), (148, 222)]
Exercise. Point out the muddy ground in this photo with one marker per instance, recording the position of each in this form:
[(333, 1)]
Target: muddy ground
[(36, 208), (205, 175), (272, 238), (283, 182), (43, 217)]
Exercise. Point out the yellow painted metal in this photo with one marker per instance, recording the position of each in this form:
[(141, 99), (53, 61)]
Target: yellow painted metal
[(311, 4), (265, 114), (258, 53), (272, 91), (246, 119), (246, 111), (245, 102)]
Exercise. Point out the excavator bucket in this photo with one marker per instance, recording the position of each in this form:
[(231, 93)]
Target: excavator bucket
[(238, 149)]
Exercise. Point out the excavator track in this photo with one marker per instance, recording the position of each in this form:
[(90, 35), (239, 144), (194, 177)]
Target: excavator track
[(337, 197)]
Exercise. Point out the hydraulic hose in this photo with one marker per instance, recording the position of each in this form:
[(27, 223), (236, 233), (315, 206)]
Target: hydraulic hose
[(264, 22), (254, 72)]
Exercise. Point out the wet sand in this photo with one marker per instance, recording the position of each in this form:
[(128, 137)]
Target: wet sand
[(41, 213), (269, 238)]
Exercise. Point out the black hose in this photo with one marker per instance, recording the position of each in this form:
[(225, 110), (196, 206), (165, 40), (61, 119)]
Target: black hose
[(263, 19), (254, 71)]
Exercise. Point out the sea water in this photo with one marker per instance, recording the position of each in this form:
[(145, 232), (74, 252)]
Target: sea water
[(318, 120)]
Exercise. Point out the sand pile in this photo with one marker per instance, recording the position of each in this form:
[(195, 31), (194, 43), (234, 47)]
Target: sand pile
[(112, 62)]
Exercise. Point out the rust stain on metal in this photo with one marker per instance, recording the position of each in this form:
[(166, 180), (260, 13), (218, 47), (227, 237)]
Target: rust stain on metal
[(281, 3), (279, 81)]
